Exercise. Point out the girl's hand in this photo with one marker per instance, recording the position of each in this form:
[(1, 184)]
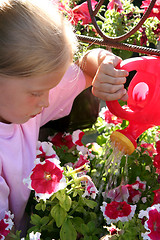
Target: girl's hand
[(108, 83)]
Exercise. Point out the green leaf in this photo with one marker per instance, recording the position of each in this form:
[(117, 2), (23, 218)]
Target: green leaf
[(59, 214), (35, 219), (90, 203), (66, 204), (68, 231), (77, 222), (44, 220)]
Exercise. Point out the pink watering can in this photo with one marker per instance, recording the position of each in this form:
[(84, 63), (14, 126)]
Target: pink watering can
[(143, 102)]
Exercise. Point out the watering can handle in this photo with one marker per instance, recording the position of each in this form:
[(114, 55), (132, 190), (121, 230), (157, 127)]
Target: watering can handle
[(140, 64)]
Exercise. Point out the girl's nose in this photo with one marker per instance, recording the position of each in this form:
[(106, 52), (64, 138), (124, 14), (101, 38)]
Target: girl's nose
[(44, 102)]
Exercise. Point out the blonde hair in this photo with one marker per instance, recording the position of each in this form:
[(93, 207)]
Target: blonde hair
[(34, 38)]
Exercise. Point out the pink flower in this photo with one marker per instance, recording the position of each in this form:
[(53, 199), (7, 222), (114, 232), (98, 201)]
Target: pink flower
[(115, 4), (78, 13), (117, 211), (118, 194), (62, 139), (77, 137), (155, 10), (90, 188), (45, 151), (152, 224), (6, 225), (109, 117), (149, 148), (46, 178), (81, 12), (134, 193), (81, 161)]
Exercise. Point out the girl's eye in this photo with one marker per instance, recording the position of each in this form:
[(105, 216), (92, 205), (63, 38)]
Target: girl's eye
[(36, 94)]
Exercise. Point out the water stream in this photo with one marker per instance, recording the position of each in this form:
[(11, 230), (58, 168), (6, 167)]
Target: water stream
[(112, 167)]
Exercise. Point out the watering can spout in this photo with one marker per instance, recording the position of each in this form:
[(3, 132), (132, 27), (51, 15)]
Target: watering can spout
[(122, 143), (143, 103)]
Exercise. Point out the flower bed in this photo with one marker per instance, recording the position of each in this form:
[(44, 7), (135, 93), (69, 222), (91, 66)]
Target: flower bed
[(88, 190)]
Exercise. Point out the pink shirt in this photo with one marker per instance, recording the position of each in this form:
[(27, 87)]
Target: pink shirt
[(18, 144)]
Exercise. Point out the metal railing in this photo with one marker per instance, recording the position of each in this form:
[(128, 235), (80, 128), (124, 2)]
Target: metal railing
[(115, 42)]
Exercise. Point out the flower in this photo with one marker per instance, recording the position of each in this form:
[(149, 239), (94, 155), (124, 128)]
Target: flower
[(109, 117), (81, 12), (115, 4), (149, 148), (6, 225), (77, 137), (152, 224), (155, 12), (33, 236), (78, 13), (90, 188), (45, 151), (118, 194), (156, 198), (117, 211), (81, 161), (46, 178), (156, 161), (62, 139)]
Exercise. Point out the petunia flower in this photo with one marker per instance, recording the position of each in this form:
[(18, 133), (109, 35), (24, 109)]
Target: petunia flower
[(81, 161), (149, 148), (134, 193), (115, 4), (77, 137), (6, 225), (90, 188), (45, 151), (155, 12), (109, 117), (156, 199), (156, 161), (118, 194), (117, 211), (33, 236), (46, 178), (78, 13), (152, 224), (62, 139)]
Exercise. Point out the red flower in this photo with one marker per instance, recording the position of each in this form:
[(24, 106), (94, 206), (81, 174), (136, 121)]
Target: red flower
[(6, 224), (77, 137), (155, 10), (62, 139), (117, 211), (154, 224), (143, 39), (156, 199), (158, 146), (115, 4), (3, 229), (156, 161), (110, 118), (78, 13), (81, 12), (45, 178)]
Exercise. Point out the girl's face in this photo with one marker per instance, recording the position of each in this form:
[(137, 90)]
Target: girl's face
[(23, 98)]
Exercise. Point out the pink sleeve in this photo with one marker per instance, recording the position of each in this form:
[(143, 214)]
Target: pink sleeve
[(63, 95), (4, 194)]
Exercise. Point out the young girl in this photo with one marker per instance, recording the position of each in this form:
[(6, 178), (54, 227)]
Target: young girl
[(39, 83)]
